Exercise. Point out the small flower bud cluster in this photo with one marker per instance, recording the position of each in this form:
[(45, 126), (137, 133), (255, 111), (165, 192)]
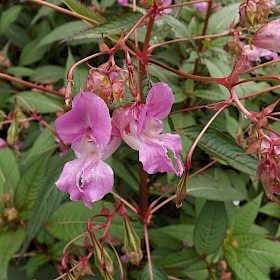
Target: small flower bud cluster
[(253, 13), (107, 83)]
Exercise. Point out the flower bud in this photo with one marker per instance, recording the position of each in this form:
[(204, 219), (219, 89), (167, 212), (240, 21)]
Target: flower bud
[(94, 82), (132, 242), (13, 132), (182, 189), (68, 93), (102, 259), (4, 60), (268, 37), (118, 91)]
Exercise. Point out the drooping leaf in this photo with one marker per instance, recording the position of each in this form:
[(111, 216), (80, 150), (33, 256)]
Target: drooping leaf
[(9, 16), (210, 228), (201, 186), (48, 73), (36, 101), (32, 52), (64, 31), (79, 8), (44, 143), (10, 242), (9, 172), (223, 147), (175, 234), (184, 263), (271, 209), (115, 26), (30, 184), (48, 199), (243, 219), (17, 35)]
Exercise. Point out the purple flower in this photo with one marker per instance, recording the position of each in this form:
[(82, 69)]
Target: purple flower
[(254, 53), (268, 37), (140, 126), (123, 2), (201, 7), (88, 128)]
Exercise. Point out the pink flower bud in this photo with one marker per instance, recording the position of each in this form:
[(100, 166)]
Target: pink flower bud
[(268, 37), (118, 91)]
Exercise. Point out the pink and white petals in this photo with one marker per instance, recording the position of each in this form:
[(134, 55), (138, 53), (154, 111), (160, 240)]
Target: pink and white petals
[(154, 158), (268, 37), (89, 116), (87, 181), (141, 127)]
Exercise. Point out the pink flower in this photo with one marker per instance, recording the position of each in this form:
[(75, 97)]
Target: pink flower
[(140, 126), (3, 144), (88, 128), (254, 53), (268, 37), (201, 7), (123, 2)]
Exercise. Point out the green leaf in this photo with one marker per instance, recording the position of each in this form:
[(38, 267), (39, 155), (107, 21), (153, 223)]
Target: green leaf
[(221, 20), (123, 172), (175, 234), (48, 199), (20, 71), (10, 242), (48, 73), (185, 263), (30, 184), (218, 145), (83, 10), (179, 27), (242, 266), (17, 35), (64, 31), (158, 274), (243, 219), (271, 209), (37, 101), (264, 252), (32, 52), (9, 16), (45, 11), (44, 144), (115, 26), (69, 221), (210, 228), (34, 264), (214, 189), (9, 172)]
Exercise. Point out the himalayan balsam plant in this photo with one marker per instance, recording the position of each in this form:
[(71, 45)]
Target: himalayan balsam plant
[(139, 139)]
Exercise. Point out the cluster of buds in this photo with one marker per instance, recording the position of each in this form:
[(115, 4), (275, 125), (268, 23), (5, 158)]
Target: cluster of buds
[(254, 12), (268, 167), (107, 81)]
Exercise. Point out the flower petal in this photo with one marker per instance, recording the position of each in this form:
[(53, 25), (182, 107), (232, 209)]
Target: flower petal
[(98, 179), (158, 105), (69, 181), (89, 116), (153, 154), (268, 37), (159, 101), (85, 180)]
